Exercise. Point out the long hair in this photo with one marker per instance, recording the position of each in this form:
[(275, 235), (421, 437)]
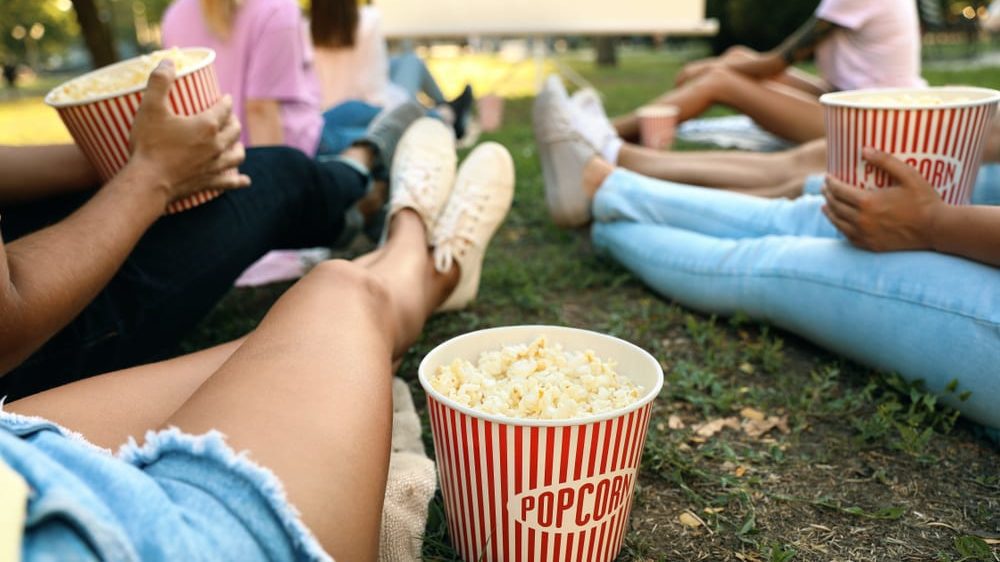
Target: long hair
[(219, 15), (333, 23)]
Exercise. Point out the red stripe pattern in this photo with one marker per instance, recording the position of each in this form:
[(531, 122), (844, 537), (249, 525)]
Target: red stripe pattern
[(944, 144), (102, 128), (525, 493)]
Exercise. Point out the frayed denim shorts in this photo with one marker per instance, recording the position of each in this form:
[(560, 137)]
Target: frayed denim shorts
[(176, 497)]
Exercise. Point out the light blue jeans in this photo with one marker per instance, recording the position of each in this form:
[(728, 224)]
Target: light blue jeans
[(409, 71), (925, 315)]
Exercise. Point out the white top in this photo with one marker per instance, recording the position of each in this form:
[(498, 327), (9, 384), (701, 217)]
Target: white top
[(878, 47), (360, 72)]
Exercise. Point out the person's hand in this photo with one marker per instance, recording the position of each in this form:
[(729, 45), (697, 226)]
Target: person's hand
[(695, 69), (189, 154), (895, 218)]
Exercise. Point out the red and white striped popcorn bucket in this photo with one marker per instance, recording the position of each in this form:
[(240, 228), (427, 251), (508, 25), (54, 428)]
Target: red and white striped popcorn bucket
[(539, 490), (939, 131), (101, 124)]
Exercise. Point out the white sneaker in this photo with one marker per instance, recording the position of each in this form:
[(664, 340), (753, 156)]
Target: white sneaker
[(564, 153), (423, 172), (591, 121), (479, 202)]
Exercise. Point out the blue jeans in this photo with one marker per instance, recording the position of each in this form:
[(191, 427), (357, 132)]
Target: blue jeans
[(343, 124), (409, 72), (184, 264), (925, 315), (177, 497)]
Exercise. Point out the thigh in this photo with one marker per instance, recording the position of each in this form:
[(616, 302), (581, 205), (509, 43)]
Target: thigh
[(804, 82), (874, 308), (626, 196)]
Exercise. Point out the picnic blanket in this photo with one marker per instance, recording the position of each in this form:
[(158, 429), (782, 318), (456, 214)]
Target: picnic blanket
[(731, 131), (411, 483)]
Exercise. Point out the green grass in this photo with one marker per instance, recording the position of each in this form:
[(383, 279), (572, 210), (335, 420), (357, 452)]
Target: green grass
[(871, 468)]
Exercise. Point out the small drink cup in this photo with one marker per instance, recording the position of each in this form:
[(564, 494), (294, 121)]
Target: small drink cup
[(939, 131), (657, 125), (539, 490), (101, 122), (490, 108)]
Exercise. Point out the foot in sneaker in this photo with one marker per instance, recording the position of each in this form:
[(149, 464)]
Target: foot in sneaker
[(484, 190), (423, 171), (384, 133), (563, 153), (590, 120)]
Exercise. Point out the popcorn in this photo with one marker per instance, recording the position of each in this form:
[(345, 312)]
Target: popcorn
[(118, 78), (536, 381), (908, 100)]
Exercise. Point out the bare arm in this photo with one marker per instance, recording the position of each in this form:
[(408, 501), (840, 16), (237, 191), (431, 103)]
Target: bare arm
[(264, 123), (798, 47), (49, 276), (911, 216), (34, 172)]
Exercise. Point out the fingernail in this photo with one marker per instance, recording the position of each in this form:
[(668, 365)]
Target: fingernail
[(867, 151), (166, 63)]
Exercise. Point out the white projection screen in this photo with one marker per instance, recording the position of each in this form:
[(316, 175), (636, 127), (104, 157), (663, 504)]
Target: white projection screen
[(451, 18)]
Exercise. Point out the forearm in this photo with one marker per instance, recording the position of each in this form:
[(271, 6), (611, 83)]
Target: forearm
[(34, 172), (762, 66), (52, 274), (264, 123), (969, 231)]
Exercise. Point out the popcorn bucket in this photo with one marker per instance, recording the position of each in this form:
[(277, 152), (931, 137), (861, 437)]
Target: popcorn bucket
[(101, 123), (939, 131), (657, 125), (539, 490)]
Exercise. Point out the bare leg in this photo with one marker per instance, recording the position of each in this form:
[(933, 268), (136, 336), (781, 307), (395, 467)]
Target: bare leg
[(777, 174), (782, 110)]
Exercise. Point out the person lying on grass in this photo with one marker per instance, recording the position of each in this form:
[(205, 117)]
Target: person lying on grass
[(895, 279), (93, 278), (306, 398), (857, 44)]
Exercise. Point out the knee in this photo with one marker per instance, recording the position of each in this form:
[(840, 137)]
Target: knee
[(718, 79), (356, 285), (738, 52)]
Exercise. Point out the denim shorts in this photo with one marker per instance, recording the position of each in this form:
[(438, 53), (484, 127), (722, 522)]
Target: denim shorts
[(177, 497)]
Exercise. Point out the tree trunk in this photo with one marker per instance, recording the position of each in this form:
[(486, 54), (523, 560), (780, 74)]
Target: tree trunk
[(607, 50), (96, 33)]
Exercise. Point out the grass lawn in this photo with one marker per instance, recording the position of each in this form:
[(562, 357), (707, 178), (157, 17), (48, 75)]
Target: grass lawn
[(870, 468)]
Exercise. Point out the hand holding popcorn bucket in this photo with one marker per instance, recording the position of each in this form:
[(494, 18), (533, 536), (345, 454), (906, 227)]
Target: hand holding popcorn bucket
[(539, 489), (99, 107), (938, 131)]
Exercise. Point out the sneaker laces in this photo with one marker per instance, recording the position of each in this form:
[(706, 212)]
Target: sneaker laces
[(416, 179), (458, 224)]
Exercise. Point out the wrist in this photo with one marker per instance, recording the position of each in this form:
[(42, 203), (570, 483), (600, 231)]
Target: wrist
[(142, 181), (939, 216)]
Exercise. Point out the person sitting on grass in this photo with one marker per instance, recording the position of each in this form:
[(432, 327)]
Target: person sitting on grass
[(357, 76), (305, 399), (95, 279), (857, 43), (787, 173), (895, 279)]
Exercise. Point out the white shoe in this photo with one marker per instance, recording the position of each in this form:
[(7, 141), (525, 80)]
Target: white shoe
[(484, 190), (563, 153), (423, 172), (591, 121)]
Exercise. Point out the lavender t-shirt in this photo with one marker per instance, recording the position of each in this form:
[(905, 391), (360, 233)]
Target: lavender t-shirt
[(878, 45), (266, 57)]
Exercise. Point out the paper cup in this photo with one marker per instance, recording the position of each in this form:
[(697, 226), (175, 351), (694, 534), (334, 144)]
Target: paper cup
[(539, 490), (657, 125), (939, 131), (101, 124), (490, 109)]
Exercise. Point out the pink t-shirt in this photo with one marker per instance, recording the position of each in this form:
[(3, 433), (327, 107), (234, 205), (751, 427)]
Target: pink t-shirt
[(266, 57), (878, 47)]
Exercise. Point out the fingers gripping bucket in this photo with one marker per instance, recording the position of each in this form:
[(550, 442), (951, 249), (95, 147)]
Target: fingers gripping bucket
[(939, 131), (539, 490), (101, 124)]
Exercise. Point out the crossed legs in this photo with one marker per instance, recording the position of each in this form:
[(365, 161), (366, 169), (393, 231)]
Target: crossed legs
[(307, 393)]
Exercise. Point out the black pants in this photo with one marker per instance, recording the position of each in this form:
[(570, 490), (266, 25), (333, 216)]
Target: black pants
[(184, 264)]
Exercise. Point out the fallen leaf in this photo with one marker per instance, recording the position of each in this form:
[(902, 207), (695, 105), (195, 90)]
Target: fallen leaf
[(712, 427), (675, 422), (689, 519), (754, 428), (661, 427), (752, 414), (740, 471), (746, 368), (711, 510)]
